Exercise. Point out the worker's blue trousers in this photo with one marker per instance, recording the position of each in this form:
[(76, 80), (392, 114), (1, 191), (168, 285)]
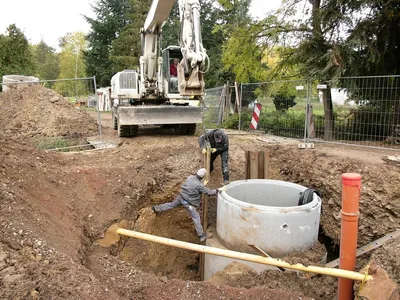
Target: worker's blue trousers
[(179, 201)]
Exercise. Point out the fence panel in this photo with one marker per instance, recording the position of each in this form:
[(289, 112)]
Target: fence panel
[(49, 111), (365, 111), (213, 107), (283, 107)]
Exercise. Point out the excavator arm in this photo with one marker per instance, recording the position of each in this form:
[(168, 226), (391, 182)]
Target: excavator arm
[(150, 96), (191, 67)]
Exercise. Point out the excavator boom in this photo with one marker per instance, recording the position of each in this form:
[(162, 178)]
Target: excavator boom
[(154, 94)]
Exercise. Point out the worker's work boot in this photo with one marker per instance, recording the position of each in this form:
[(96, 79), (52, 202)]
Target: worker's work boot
[(205, 236)]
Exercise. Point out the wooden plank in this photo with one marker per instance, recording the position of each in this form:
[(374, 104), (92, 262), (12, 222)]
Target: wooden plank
[(237, 98), (247, 154), (227, 108), (260, 165), (257, 164), (263, 253), (253, 164), (204, 200), (266, 165), (221, 106)]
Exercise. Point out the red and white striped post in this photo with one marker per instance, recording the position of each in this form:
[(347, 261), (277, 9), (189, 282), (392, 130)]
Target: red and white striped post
[(256, 116)]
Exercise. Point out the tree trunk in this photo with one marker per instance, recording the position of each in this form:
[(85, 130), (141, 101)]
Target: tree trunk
[(329, 124), (316, 20)]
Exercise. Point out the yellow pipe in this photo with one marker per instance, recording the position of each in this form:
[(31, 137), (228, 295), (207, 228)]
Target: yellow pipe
[(244, 256)]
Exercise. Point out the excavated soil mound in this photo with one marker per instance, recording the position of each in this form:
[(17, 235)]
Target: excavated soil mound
[(240, 276), (388, 256), (38, 111)]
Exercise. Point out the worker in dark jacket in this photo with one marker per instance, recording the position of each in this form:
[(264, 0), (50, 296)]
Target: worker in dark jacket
[(189, 198), (219, 143)]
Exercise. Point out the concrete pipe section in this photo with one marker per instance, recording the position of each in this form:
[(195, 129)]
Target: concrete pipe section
[(264, 213), (17, 81)]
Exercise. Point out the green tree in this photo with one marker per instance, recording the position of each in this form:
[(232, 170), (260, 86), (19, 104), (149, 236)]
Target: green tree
[(170, 31), (330, 38), (241, 54), (72, 64), (126, 49), (15, 53), (211, 15), (111, 18), (46, 61)]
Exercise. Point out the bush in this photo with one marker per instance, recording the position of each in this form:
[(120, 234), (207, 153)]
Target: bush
[(364, 123), (288, 124), (283, 103), (232, 122), (283, 123)]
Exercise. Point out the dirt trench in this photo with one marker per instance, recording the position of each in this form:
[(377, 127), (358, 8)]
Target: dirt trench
[(55, 207), (310, 170)]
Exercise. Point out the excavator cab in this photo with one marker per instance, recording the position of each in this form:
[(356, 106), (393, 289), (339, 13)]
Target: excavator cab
[(180, 82), (170, 69)]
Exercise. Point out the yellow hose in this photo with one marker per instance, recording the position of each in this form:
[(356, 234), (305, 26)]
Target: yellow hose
[(244, 256)]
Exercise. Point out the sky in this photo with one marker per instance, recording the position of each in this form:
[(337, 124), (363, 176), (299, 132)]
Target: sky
[(51, 19)]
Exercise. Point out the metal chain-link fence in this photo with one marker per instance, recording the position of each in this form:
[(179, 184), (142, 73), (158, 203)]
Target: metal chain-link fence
[(358, 110), (52, 112), (282, 107), (213, 107), (362, 111)]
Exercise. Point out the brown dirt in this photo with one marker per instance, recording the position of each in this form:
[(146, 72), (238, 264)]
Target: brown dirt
[(38, 111), (54, 206), (388, 256), (241, 276), (159, 259), (177, 289), (381, 287), (314, 256)]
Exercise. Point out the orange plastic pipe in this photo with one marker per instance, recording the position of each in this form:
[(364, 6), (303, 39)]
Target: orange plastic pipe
[(351, 187)]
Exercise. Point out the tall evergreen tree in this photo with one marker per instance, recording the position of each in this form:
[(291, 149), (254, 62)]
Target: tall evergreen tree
[(15, 53), (126, 49), (170, 31), (111, 18)]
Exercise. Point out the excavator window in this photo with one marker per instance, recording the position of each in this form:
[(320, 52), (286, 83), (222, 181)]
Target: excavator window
[(171, 58)]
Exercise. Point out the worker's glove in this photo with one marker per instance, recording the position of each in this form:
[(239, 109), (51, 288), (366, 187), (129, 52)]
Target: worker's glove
[(204, 150), (222, 189), (213, 150), (205, 182)]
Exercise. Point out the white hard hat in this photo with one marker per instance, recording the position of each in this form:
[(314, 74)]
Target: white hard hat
[(202, 172)]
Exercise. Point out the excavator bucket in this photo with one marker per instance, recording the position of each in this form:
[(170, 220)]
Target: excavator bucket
[(191, 86)]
